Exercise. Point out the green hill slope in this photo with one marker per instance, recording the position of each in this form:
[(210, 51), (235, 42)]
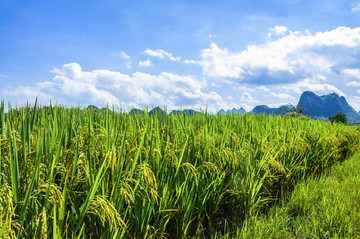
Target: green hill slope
[(326, 105)]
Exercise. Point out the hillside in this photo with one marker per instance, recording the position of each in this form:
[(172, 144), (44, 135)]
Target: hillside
[(267, 110), (316, 107), (241, 110), (326, 105)]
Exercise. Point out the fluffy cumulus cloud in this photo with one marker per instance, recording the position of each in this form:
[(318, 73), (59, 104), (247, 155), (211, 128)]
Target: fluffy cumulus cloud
[(263, 88), (355, 102), (288, 59), (246, 97), (353, 83), (72, 84), (282, 96), (247, 89), (145, 63), (161, 54), (274, 72), (352, 72), (278, 30), (311, 85), (25, 94)]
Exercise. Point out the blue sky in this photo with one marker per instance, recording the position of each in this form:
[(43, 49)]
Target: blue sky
[(189, 54)]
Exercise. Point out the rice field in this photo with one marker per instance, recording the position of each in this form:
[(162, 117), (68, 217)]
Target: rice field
[(319, 207), (85, 173)]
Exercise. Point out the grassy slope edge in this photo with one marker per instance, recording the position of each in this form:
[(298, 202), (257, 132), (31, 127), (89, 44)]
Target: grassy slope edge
[(325, 207)]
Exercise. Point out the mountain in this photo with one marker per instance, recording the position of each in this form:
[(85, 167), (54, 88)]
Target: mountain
[(321, 107), (94, 108), (239, 111), (233, 111), (156, 110), (267, 110), (136, 111), (185, 112), (222, 112), (317, 107)]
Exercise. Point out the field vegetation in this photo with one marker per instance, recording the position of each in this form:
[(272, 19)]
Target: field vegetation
[(319, 207), (86, 173)]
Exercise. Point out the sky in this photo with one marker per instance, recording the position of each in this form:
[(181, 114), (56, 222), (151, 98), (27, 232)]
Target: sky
[(178, 54)]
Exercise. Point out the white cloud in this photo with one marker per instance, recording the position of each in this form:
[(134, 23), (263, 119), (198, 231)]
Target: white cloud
[(355, 102), (263, 88), (356, 8), (352, 72), (285, 60), (220, 63), (145, 63), (161, 54), (5, 76), (311, 85), (246, 97), (100, 87), (191, 62), (322, 78), (277, 70), (282, 96), (244, 88), (279, 30), (74, 82), (124, 55), (353, 83), (277, 105), (25, 94)]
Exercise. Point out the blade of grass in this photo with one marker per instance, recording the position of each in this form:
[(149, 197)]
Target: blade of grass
[(14, 167), (91, 194), (33, 182)]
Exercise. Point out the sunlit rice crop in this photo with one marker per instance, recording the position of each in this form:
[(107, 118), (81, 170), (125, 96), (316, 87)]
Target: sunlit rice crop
[(71, 173)]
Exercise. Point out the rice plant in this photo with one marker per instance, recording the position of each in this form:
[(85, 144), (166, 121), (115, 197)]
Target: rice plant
[(319, 207), (87, 173)]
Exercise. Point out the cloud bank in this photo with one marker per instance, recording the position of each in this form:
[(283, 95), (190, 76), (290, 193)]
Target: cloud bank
[(274, 72), (101, 87), (161, 54), (288, 59)]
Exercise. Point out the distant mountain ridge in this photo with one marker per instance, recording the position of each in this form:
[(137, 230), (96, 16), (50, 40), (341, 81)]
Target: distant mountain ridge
[(327, 105), (158, 110), (267, 110), (93, 107), (317, 107), (241, 110)]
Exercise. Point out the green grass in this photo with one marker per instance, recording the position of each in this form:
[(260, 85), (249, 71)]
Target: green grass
[(325, 207), (83, 173)]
